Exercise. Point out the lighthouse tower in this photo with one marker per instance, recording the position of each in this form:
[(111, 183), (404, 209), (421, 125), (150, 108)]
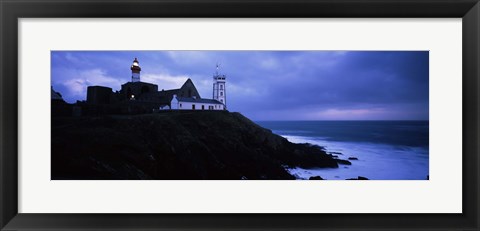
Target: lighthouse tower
[(219, 90), (135, 71)]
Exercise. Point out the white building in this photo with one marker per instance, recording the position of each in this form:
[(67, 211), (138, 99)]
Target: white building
[(219, 101), (219, 88), (193, 103)]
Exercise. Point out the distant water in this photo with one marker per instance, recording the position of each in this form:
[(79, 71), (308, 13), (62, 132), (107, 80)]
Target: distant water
[(386, 150)]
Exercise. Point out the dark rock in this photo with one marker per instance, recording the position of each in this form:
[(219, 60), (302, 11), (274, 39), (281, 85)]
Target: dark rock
[(175, 145), (345, 162), (315, 178), (352, 158), (359, 178)]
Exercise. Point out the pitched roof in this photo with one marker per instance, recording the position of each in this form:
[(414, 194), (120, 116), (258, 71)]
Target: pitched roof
[(187, 82), (197, 100)]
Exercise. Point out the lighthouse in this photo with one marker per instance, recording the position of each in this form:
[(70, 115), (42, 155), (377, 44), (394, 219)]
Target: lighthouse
[(219, 90), (135, 71)]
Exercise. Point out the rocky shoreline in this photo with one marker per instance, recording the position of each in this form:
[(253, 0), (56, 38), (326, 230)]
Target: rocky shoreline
[(216, 145)]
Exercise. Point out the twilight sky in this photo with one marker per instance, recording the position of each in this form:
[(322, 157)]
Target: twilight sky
[(268, 85)]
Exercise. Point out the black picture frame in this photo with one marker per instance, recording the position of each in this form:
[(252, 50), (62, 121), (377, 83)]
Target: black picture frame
[(12, 10)]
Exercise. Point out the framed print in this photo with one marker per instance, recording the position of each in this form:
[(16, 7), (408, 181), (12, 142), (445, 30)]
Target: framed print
[(239, 115)]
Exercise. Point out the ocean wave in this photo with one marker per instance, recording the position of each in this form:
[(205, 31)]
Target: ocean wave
[(375, 161)]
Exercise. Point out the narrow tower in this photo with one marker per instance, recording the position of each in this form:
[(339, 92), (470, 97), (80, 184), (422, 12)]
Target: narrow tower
[(219, 90), (135, 71)]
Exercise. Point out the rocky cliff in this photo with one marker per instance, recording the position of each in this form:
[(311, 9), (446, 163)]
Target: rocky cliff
[(175, 145)]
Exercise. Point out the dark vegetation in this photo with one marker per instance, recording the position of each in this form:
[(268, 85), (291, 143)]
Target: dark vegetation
[(176, 145)]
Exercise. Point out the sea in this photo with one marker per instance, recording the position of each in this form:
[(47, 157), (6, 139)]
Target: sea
[(386, 150)]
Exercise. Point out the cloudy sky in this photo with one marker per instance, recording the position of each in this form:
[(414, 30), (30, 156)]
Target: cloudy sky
[(268, 85)]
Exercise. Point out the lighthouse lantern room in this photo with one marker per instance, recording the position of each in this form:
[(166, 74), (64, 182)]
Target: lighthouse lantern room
[(135, 71)]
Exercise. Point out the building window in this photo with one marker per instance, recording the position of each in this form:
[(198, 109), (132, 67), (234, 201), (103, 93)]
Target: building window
[(221, 93), (193, 106), (221, 87), (180, 105), (221, 100), (203, 107)]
